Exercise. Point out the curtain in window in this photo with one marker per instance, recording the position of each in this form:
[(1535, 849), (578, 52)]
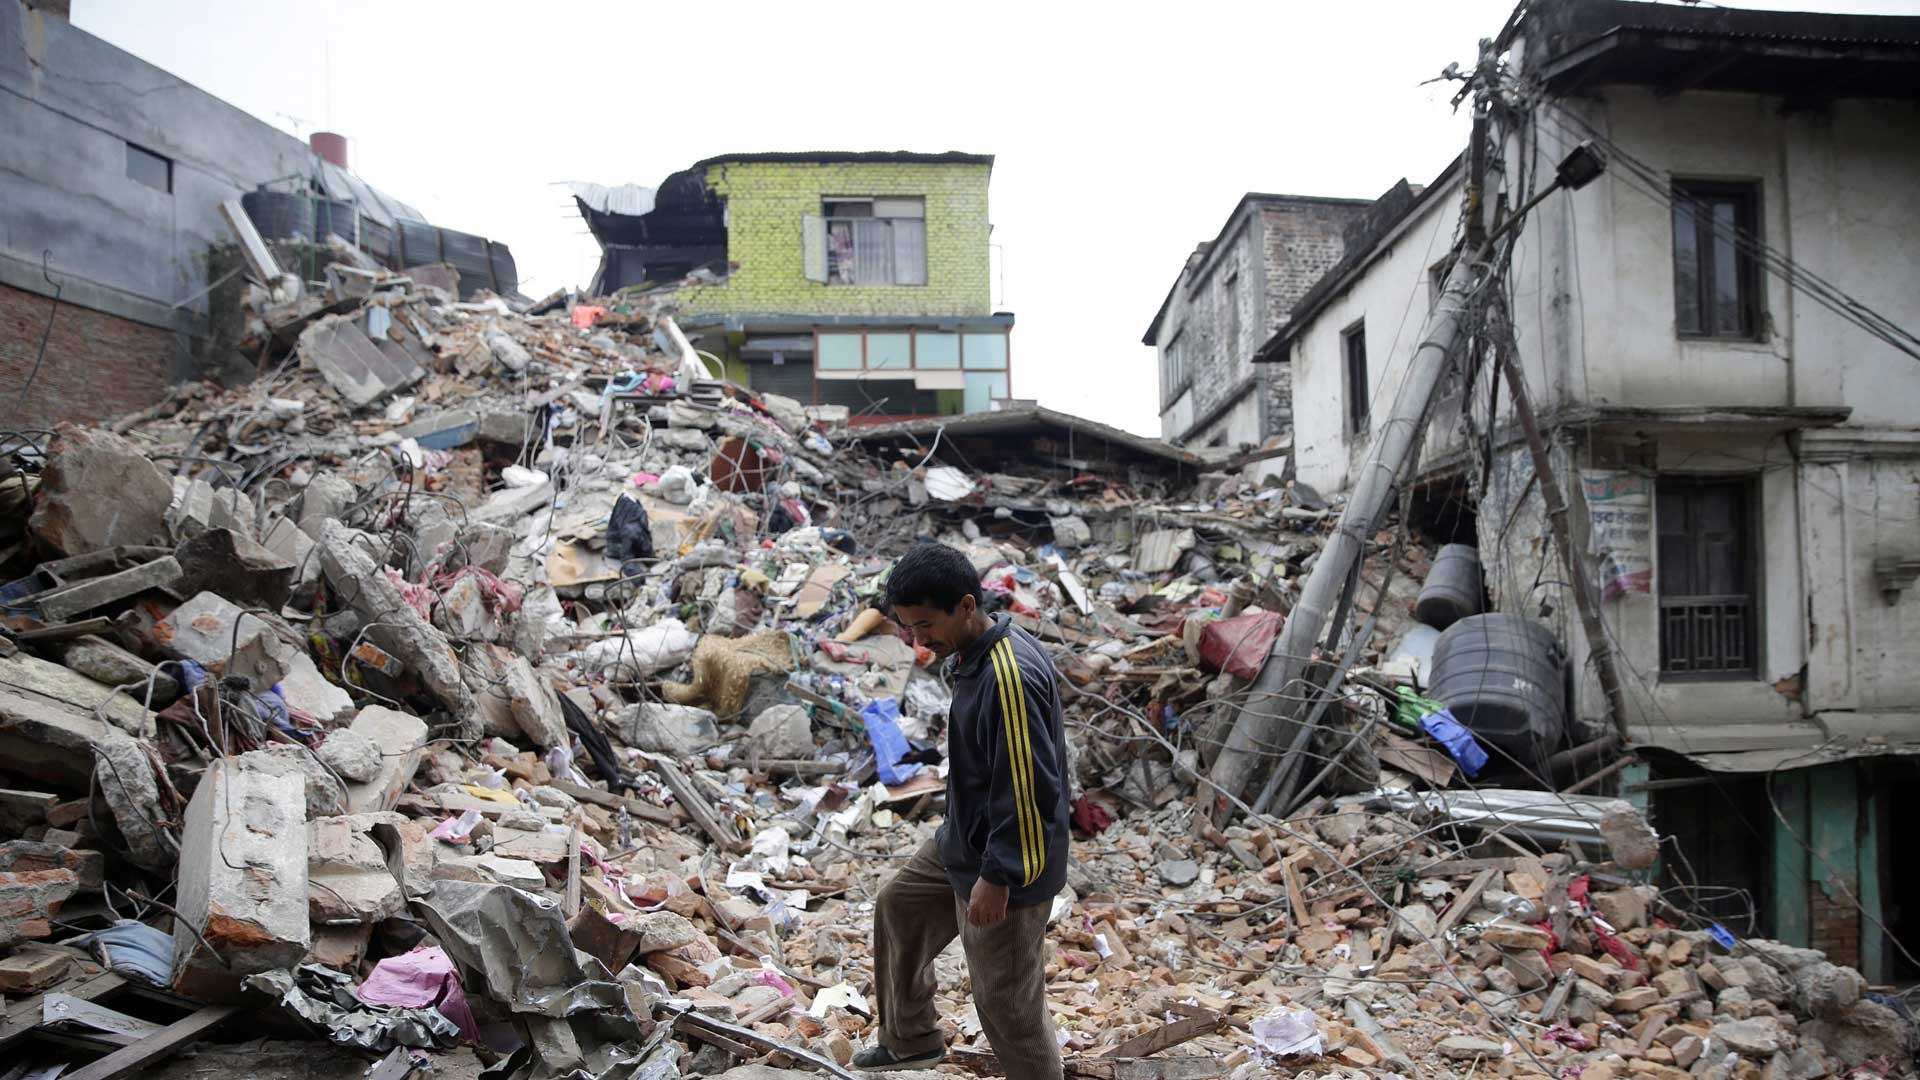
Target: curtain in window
[(909, 252), (872, 254)]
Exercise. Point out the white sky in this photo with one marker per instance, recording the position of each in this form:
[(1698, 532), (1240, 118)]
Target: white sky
[(1121, 140)]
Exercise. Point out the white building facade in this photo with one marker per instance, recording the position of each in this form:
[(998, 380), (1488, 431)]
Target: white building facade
[(1742, 461)]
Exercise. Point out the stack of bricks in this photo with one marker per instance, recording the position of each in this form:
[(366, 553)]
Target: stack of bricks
[(28, 899), (1834, 924)]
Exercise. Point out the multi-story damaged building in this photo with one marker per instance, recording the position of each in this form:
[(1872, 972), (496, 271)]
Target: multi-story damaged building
[(857, 279), (1717, 335), (113, 250), (1235, 291)]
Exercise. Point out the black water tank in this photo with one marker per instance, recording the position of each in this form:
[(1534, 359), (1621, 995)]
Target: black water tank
[(279, 215), (1500, 675), (1452, 590)]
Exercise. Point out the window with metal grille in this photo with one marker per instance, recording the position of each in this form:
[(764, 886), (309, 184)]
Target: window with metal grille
[(1353, 345), (877, 241), (1707, 562), (1716, 281), (1173, 368)]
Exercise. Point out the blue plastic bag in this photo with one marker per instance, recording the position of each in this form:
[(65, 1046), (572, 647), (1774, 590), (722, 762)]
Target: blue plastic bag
[(1457, 739), (882, 719)]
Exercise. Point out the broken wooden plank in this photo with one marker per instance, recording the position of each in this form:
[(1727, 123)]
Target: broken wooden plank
[(696, 805), (1558, 998), (636, 808), (711, 1030), (1390, 1051), (1462, 904), (1167, 1035), (95, 1021), (131, 1060), (982, 1063), (27, 1014)]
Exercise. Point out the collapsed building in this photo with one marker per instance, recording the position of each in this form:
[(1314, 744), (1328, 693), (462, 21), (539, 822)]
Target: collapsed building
[(503, 683)]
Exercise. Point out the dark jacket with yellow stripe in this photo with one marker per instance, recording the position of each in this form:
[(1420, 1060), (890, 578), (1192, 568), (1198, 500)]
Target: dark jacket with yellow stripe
[(1007, 780)]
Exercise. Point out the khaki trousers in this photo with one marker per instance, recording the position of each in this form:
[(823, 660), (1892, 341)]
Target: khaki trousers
[(917, 915)]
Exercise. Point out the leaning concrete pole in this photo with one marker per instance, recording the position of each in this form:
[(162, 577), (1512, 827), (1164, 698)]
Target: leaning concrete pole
[(1266, 724)]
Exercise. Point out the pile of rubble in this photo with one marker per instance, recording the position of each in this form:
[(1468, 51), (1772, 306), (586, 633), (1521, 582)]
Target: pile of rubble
[(499, 685)]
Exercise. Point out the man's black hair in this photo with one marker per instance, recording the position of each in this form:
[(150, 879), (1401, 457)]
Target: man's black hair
[(932, 575)]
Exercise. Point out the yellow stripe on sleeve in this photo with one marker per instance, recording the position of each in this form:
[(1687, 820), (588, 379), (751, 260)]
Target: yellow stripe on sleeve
[(1022, 760), (1013, 745)]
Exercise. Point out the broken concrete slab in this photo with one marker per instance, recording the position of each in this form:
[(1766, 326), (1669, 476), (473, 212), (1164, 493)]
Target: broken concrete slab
[(781, 731), (307, 691), (85, 596), (28, 898), (401, 739), (26, 856), (243, 876), (109, 664), (325, 498), (352, 364), (463, 613), (226, 640), (200, 506), (50, 680), (245, 572), (536, 709), (347, 872), (326, 794), (397, 627), (98, 491), (353, 755), (512, 504), (511, 354), (54, 742), (680, 730)]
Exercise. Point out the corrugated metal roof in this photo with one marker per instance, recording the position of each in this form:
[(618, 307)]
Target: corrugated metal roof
[(341, 183), (630, 199)]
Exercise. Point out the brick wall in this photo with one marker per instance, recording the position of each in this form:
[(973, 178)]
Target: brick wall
[(1834, 923), (1229, 300), (766, 201), (97, 366)]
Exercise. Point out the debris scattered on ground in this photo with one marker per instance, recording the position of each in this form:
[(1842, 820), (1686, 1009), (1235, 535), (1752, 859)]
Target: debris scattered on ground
[(478, 685)]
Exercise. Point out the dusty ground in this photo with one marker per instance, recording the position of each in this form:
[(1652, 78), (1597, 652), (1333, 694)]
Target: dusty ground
[(274, 1059)]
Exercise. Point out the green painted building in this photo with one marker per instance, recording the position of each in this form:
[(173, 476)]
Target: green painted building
[(834, 278)]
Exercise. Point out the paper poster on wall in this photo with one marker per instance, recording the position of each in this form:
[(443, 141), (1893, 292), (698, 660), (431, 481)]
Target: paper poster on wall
[(1620, 515)]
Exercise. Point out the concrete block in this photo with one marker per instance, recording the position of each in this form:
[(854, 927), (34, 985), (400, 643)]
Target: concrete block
[(204, 630), (246, 573), (243, 876), (37, 676), (401, 739), (104, 662), (340, 947), (28, 899), (490, 870), (200, 506), (782, 731), (98, 491), (354, 756), (26, 856), (347, 875), (309, 692), (85, 596), (352, 364), (326, 498), (63, 745), (536, 709)]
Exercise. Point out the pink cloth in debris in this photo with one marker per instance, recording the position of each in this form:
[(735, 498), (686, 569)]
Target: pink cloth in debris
[(422, 978)]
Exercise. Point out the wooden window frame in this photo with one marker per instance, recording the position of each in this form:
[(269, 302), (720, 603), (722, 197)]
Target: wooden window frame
[(1754, 622), (1704, 194), (1358, 400)]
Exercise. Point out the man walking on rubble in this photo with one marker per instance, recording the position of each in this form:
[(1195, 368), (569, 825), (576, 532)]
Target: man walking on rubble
[(990, 874)]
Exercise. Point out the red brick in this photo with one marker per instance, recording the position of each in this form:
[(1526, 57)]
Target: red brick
[(97, 366)]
